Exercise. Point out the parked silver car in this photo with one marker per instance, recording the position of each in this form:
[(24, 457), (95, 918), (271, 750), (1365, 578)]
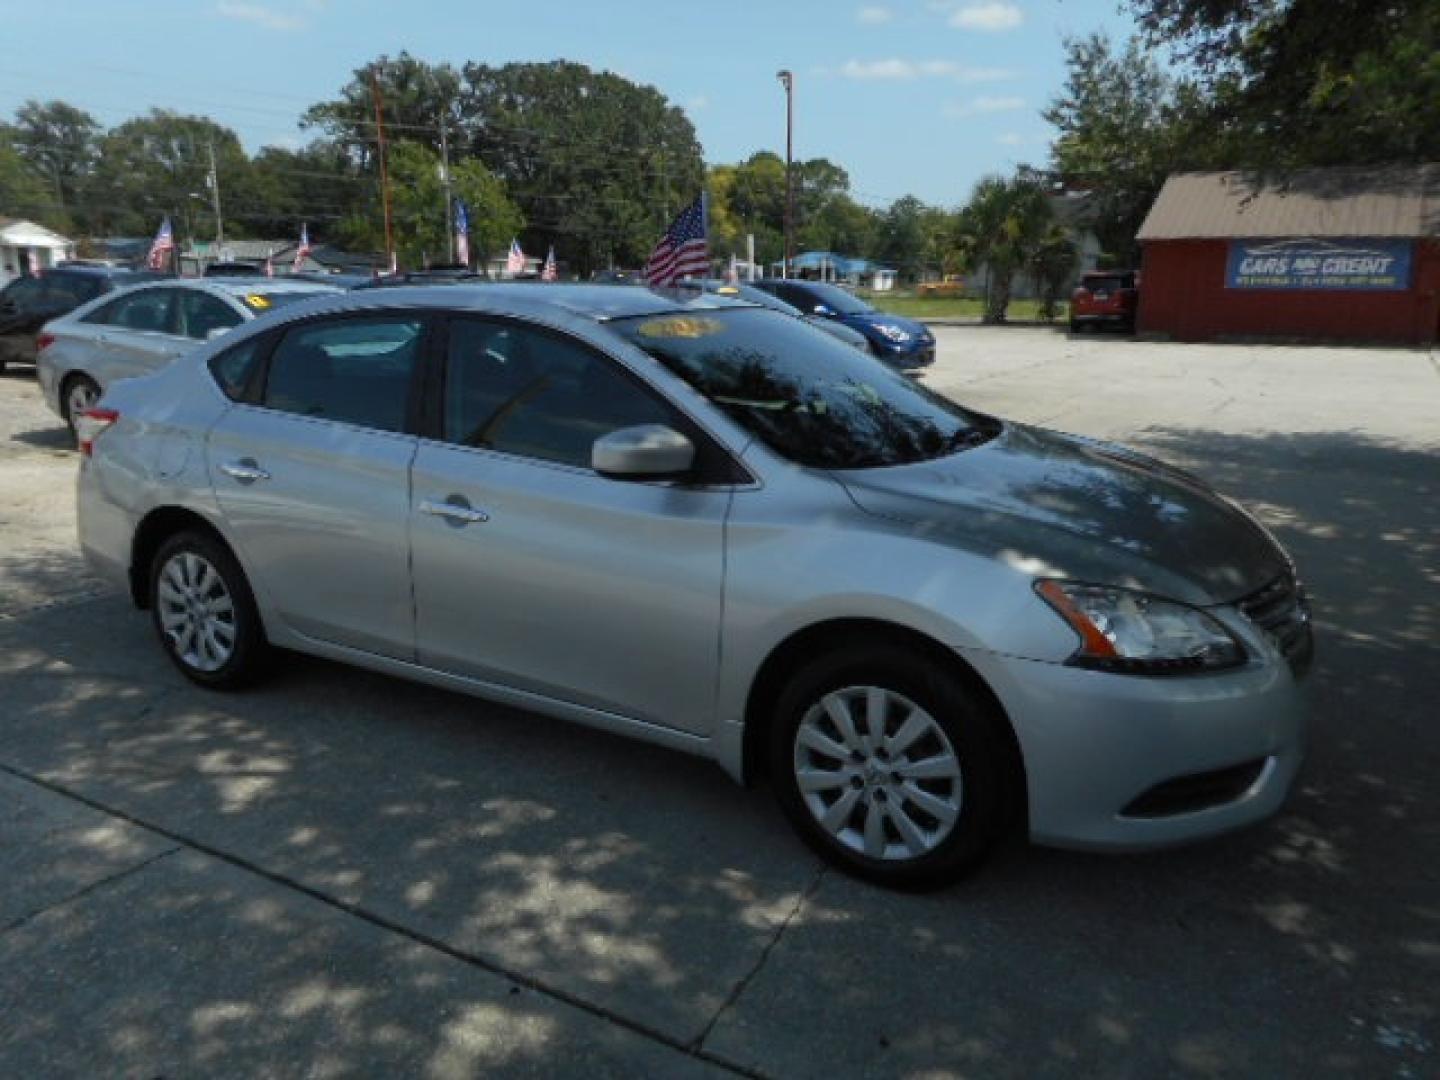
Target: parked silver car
[(137, 330), (708, 525)]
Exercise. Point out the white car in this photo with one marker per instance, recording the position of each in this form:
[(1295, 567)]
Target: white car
[(139, 330)]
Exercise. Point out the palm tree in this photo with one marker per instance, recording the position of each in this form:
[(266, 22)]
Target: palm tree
[(1051, 262), (1000, 227)]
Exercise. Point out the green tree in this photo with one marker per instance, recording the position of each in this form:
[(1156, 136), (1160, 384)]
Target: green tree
[(60, 143), (1051, 263), (416, 98), (1124, 126), (911, 237), (597, 164), (1311, 82), (23, 192), (1000, 229), (418, 208), (159, 164)]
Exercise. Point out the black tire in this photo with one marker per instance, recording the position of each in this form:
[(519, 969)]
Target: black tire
[(977, 735), (248, 652), (67, 389), (1074, 327)]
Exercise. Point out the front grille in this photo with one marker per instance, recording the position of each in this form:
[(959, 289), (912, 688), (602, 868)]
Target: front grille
[(1281, 610), (1198, 791)]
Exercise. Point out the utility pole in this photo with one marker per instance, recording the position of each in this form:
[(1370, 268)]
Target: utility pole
[(215, 201), (384, 173), (445, 183), (787, 79)]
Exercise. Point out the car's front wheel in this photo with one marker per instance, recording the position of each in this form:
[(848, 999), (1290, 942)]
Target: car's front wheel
[(204, 612), (891, 767)]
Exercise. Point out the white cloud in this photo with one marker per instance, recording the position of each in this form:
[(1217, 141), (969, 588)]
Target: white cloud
[(989, 17), (897, 70), (873, 16), (983, 105), (258, 14)]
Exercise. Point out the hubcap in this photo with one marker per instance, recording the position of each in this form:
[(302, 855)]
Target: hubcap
[(82, 396), (197, 614), (878, 773)]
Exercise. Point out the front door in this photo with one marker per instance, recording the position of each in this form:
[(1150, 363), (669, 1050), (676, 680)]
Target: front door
[(314, 480), (533, 571)]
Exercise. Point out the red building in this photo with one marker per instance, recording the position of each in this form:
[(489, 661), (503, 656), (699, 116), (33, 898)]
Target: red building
[(1323, 254)]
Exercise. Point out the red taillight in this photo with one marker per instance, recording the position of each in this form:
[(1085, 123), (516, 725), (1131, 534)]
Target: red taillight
[(43, 342), (90, 425)]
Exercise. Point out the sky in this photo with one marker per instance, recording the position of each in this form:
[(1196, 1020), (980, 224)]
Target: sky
[(919, 97)]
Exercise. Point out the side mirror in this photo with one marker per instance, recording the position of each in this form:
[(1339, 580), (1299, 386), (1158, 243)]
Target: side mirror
[(646, 450), (824, 311), (216, 331)]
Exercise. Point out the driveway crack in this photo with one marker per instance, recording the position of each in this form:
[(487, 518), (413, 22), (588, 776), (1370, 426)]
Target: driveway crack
[(740, 987), (93, 887)]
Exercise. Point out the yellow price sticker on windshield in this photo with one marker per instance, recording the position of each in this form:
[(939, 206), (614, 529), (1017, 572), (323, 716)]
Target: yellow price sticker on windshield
[(680, 326), (258, 302)]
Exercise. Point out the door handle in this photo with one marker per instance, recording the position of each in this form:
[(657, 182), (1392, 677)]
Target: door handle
[(245, 470), (456, 513)]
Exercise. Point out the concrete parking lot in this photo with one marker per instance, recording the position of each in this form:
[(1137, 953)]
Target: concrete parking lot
[(340, 874)]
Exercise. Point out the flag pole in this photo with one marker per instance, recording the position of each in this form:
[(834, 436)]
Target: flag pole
[(384, 174)]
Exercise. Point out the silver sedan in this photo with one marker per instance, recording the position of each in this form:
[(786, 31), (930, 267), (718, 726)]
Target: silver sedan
[(140, 329), (707, 525)]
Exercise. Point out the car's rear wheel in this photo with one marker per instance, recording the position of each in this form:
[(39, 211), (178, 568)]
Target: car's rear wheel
[(204, 612), (78, 393), (891, 767)]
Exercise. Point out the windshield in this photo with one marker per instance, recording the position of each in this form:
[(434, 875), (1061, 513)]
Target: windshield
[(809, 397), (755, 296), (837, 299)]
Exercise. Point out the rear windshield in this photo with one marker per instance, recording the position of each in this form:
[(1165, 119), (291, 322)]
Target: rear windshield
[(1109, 282), (809, 397), (261, 301), (836, 298)]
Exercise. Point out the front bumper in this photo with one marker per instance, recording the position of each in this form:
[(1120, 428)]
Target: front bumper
[(1116, 762), (906, 356)]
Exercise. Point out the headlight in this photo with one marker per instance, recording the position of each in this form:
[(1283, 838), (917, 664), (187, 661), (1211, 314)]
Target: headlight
[(894, 333), (1138, 634)]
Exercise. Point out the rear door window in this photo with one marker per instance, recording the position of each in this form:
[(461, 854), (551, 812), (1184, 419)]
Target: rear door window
[(146, 310), (355, 370)]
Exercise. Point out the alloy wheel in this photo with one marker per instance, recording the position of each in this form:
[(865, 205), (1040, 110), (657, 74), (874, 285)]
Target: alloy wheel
[(878, 773), (196, 611)]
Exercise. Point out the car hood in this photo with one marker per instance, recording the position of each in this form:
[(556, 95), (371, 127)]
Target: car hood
[(866, 319), (1064, 506), (836, 329)]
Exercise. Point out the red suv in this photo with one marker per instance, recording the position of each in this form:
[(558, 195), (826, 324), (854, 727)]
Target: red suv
[(1105, 297)]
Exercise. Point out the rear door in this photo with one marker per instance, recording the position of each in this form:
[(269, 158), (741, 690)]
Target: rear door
[(311, 471), (532, 570), (132, 335)]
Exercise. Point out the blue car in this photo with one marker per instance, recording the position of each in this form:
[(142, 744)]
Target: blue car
[(900, 342)]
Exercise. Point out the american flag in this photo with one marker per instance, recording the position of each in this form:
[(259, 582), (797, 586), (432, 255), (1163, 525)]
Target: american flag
[(161, 247), (550, 272), (683, 249), (303, 251), (462, 232), (515, 261)]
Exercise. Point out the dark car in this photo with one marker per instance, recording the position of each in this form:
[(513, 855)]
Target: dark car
[(28, 303), (435, 275), (744, 291), (234, 269), (1105, 298), (900, 342)]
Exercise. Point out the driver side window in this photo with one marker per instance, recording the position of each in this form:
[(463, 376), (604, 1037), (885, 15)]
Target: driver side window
[(536, 394)]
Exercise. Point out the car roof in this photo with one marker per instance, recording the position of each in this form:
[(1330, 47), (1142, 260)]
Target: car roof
[(598, 303), (92, 270), (244, 286)]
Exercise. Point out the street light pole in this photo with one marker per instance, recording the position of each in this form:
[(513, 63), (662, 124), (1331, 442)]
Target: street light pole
[(788, 81)]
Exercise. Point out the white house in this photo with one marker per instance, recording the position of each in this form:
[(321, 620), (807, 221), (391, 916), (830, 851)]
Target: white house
[(25, 245)]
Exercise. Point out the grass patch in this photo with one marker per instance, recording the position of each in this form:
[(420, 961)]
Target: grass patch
[(958, 307)]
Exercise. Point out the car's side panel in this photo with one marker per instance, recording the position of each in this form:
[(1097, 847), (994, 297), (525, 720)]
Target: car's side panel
[(325, 528)]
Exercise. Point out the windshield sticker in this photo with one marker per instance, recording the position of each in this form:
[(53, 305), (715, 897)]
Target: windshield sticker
[(258, 302), (680, 326)]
